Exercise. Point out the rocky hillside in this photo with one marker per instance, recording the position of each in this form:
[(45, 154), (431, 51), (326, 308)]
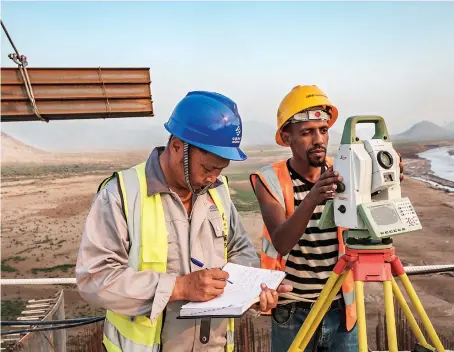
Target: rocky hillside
[(450, 126), (14, 150), (425, 130)]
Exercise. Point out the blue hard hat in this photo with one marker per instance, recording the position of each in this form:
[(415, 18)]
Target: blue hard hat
[(209, 121)]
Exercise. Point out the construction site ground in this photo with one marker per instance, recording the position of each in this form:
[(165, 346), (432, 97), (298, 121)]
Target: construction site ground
[(46, 197)]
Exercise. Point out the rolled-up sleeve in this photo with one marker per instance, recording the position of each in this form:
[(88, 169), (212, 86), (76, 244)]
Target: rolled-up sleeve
[(240, 249), (104, 278)]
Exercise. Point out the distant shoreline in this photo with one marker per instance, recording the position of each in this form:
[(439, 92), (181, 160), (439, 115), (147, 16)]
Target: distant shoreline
[(420, 169)]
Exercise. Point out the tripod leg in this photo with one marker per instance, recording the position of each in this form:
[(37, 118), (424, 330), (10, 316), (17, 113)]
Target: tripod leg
[(323, 310), (295, 346), (422, 313), (409, 315), (361, 316), (390, 318)]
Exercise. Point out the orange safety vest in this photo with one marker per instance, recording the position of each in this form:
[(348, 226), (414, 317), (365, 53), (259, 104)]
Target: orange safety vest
[(276, 178)]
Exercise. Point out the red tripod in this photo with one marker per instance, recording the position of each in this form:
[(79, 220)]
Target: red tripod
[(370, 263)]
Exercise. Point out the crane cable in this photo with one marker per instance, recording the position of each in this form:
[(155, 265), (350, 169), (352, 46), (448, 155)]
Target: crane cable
[(21, 61)]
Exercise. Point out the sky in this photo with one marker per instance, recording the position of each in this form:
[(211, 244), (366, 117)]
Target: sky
[(394, 59)]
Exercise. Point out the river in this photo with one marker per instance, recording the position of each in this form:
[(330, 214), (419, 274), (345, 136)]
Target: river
[(441, 164)]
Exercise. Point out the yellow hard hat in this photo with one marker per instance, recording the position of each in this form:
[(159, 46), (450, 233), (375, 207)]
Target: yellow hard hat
[(301, 98)]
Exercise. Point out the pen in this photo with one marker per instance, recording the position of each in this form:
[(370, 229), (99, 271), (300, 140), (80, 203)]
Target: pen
[(200, 264)]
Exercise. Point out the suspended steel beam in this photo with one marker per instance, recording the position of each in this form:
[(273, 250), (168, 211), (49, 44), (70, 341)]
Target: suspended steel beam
[(80, 91), (76, 109), (76, 93), (77, 75)]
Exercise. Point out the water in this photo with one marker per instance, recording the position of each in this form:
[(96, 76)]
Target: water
[(441, 162), (435, 184)]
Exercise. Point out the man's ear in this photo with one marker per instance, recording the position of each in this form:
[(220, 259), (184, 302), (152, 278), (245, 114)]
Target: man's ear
[(285, 137), (175, 144)]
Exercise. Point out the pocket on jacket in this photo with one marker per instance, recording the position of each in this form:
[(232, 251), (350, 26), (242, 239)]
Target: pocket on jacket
[(218, 234), (216, 225), (283, 314)]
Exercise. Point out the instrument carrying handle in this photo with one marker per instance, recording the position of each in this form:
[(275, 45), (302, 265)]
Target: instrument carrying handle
[(349, 134)]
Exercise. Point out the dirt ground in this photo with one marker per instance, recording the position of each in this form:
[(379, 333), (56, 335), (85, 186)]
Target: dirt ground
[(45, 201)]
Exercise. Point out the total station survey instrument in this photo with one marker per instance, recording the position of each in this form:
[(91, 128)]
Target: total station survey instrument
[(369, 205)]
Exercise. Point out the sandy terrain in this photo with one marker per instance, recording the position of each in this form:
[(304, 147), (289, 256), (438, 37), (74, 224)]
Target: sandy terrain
[(45, 201)]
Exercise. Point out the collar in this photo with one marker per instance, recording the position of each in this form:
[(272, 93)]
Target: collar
[(156, 182)]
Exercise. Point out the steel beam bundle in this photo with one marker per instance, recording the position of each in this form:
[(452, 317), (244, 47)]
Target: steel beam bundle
[(76, 93)]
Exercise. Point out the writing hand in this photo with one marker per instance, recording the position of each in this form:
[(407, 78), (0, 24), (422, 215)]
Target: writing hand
[(200, 286)]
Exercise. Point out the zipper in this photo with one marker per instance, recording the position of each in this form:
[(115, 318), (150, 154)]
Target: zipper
[(188, 219)]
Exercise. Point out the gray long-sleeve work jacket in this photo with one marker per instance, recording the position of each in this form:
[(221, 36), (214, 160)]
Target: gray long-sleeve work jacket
[(105, 280)]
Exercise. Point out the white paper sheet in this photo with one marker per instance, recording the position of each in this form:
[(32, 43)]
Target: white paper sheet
[(244, 290)]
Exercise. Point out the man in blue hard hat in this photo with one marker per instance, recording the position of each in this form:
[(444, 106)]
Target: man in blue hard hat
[(158, 233)]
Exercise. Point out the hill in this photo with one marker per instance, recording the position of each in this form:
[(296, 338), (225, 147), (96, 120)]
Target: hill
[(424, 130), (13, 149), (450, 126), (90, 135)]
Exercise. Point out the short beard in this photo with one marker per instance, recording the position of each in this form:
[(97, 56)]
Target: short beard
[(316, 163)]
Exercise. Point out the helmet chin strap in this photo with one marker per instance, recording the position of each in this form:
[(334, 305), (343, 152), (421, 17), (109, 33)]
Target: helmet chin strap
[(186, 171)]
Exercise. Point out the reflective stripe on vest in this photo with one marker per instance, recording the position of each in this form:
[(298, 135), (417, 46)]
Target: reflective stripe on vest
[(216, 196), (148, 251), (276, 178)]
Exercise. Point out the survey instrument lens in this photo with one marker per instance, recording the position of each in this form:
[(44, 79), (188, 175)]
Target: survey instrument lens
[(385, 159)]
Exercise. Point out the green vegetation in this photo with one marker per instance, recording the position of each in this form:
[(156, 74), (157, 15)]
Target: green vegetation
[(62, 171), (16, 258), (245, 201), (238, 176), (11, 309), (8, 268), (85, 310), (63, 267), (243, 195)]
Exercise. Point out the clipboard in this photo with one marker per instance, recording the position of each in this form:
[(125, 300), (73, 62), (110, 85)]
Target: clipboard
[(246, 278), (211, 316)]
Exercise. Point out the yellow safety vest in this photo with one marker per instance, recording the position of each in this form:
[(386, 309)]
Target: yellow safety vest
[(148, 251)]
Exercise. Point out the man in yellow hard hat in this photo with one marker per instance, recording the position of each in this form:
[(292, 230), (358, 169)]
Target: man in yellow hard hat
[(291, 194)]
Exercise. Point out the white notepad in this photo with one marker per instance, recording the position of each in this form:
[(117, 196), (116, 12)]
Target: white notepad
[(239, 296)]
